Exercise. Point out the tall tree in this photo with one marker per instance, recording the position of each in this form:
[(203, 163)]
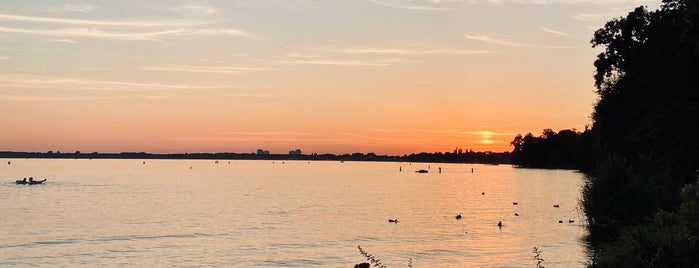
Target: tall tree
[(647, 119)]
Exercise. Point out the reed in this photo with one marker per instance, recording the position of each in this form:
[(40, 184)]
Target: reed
[(537, 257), (375, 262)]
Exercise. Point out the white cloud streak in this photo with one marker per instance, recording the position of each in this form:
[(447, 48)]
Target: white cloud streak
[(339, 62), (117, 30), (44, 82), (101, 34), (491, 40), (62, 41), (553, 31), (49, 20), (189, 9), (409, 52), (204, 69), (79, 7), (411, 5)]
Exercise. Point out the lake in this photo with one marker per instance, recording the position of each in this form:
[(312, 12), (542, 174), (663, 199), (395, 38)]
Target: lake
[(199, 213)]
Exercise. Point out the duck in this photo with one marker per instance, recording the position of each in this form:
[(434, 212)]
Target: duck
[(500, 224), (556, 206), (458, 216), (393, 220)]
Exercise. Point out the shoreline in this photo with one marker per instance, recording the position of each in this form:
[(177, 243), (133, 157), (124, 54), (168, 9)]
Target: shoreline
[(466, 157)]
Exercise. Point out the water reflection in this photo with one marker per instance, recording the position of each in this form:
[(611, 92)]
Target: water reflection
[(300, 214)]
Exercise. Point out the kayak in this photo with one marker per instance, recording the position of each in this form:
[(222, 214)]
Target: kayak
[(30, 182)]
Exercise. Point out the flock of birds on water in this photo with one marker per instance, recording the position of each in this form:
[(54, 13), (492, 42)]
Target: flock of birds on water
[(458, 216), (395, 220)]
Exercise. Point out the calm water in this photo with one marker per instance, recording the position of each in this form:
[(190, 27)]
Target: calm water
[(123, 213)]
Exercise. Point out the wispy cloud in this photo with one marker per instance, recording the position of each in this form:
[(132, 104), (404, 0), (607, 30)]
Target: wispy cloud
[(599, 17), (353, 134), (488, 39), (558, 2), (266, 133), (254, 95), (553, 31), (196, 9), (134, 35), (340, 62), (51, 20), (45, 82), (62, 40), (79, 7), (204, 69), (409, 52), (47, 98), (492, 40), (448, 5), (118, 30), (412, 5)]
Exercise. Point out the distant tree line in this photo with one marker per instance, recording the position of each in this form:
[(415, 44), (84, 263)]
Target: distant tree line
[(437, 157)]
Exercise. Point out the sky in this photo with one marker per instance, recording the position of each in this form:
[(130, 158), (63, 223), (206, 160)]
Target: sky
[(336, 76)]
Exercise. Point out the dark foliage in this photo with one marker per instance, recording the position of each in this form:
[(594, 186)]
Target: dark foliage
[(567, 149), (647, 151)]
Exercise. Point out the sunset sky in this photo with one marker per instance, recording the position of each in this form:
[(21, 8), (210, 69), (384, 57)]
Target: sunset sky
[(382, 76)]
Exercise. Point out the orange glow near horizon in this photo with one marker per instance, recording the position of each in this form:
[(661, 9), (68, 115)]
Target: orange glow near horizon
[(178, 77)]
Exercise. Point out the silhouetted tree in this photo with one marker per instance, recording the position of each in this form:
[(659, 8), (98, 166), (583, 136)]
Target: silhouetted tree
[(646, 121), (567, 149)]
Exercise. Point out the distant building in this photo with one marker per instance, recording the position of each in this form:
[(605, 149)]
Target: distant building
[(260, 151), (296, 152)]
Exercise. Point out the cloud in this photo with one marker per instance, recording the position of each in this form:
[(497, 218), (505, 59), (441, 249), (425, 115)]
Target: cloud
[(118, 30), (409, 52), (552, 31), (203, 69), (62, 40), (190, 9), (599, 17), (13, 98), (254, 95), (81, 7), (50, 20), (565, 2), (488, 39), (448, 5), (266, 133), (353, 135), (339, 62), (407, 4), (135, 35), (491, 40), (46, 89), (44, 82)]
